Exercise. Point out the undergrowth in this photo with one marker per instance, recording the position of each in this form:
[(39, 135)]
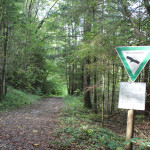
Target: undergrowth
[(16, 98), (77, 131)]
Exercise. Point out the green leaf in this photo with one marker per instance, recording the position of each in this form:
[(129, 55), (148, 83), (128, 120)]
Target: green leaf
[(134, 140), (142, 140), (126, 143), (119, 148), (142, 147), (147, 144)]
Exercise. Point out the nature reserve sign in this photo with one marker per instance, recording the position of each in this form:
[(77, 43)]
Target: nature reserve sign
[(134, 59), (132, 94)]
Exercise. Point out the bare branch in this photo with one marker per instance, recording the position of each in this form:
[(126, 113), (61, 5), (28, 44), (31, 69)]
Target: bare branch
[(128, 14), (43, 20)]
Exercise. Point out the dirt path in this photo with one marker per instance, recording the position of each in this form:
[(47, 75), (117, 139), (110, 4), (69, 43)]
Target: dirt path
[(30, 128)]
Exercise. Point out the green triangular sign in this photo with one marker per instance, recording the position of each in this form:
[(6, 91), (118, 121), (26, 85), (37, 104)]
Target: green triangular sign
[(134, 59)]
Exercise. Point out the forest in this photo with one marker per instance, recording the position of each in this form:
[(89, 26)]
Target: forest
[(67, 47)]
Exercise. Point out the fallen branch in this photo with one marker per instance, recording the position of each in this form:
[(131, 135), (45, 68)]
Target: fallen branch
[(114, 114), (140, 132)]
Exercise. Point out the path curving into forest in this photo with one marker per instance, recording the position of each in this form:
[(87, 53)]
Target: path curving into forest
[(30, 128)]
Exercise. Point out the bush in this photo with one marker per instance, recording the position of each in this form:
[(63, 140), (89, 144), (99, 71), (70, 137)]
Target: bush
[(72, 104), (53, 87), (16, 98), (29, 80)]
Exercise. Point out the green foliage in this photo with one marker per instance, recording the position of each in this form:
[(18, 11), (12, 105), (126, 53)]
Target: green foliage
[(26, 80), (142, 143), (88, 138), (139, 117), (53, 87), (73, 105), (78, 131), (27, 66), (16, 98)]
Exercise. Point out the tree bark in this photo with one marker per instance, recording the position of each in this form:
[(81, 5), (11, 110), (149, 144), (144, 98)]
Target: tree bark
[(122, 75), (146, 75), (108, 86), (113, 90), (95, 90), (103, 90), (87, 95), (69, 76), (87, 75), (4, 67), (73, 78), (82, 77)]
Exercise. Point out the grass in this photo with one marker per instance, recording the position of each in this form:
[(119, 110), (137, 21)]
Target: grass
[(48, 96), (16, 98), (72, 105)]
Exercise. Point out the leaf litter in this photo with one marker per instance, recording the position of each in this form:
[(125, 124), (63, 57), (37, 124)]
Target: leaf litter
[(30, 128)]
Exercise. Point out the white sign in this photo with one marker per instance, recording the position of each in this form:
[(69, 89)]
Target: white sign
[(132, 95)]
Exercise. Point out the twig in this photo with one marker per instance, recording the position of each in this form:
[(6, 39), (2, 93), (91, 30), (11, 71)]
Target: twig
[(114, 114)]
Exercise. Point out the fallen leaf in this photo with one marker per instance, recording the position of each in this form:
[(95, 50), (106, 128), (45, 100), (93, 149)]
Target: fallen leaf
[(36, 144)]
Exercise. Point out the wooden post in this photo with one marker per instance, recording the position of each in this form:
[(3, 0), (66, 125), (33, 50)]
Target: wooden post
[(130, 129)]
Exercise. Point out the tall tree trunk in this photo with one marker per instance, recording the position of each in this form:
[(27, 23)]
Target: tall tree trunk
[(146, 73), (113, 89), (69, 82), (95, 70), (122, 75), (82, 77), (67, 77), (87, 28), (87, 95), (4, 67), (103, 90), (72, 80), (108, 87), (95, 86)]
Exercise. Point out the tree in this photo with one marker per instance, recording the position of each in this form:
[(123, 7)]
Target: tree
[(9, 11)]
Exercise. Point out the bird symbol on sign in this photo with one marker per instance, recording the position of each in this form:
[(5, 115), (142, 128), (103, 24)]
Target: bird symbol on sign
[(133, 60)]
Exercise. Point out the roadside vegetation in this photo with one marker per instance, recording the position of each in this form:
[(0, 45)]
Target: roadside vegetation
[(16, 98), (78, 131)]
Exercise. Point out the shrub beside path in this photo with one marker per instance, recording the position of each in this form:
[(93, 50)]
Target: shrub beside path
[(30, 128)]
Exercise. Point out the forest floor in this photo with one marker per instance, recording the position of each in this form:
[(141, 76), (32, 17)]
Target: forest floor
[(118, 123), (32, 127)]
